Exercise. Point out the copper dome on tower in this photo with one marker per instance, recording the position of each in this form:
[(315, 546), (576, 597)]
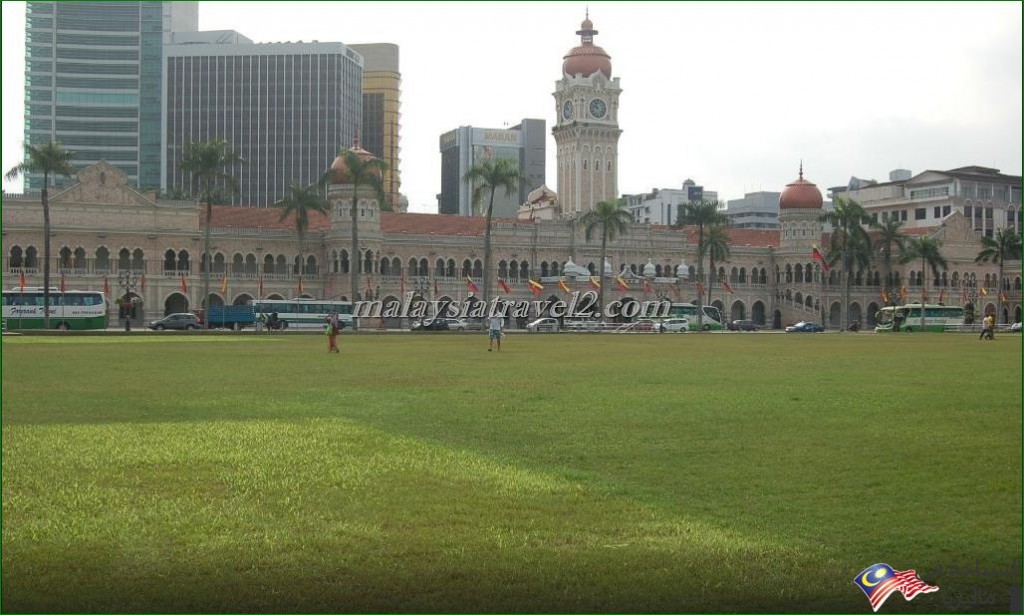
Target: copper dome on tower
[(587, 58), (800, 194), (339, 168)]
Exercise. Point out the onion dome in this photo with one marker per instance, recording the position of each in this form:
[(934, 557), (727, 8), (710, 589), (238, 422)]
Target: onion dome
[(649, 269), (801, 194), (607, 267), (339, 168), (571, 268), (587, 58)]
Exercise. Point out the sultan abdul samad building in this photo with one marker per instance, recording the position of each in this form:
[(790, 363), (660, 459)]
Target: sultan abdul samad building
[(102, 228)]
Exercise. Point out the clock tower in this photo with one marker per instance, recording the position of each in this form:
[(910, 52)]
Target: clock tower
[(587, 129)]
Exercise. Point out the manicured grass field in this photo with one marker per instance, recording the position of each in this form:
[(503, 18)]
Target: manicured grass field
[(613, 473)]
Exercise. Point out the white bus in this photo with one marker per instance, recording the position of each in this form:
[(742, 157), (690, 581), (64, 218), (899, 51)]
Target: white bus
[(712, 316), (69, 310), (908, 318), (304, 313)]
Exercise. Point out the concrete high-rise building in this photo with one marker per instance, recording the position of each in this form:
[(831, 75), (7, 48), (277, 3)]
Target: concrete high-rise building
[(285, 108), (464, 147), (661, 206), (587, 130), (93, 81), (382, 112), (754, 210)]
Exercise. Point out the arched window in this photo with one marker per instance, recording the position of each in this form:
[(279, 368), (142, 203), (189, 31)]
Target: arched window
[(524, 270), (543, 269), (102, 260), (502, 269), (439, 268), (124, 259), (385, 266), (311, 266), (555, 268), (268, 263), (79, 263), (414, 267), (368, 262), (467, 268), (789, 274), (138, 260), (64, 258), (513, 270), (170, 261), (237, 264), (250, 265), (591, 268), (281, 266), (743, 276), (449, 270), (16, 259), (478, 268), (396, 266), (219, 263), (798, 273), (424, 267)]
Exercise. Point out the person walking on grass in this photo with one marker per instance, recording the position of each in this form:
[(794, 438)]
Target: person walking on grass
[(988, 327), (494, 331), (332, 332)]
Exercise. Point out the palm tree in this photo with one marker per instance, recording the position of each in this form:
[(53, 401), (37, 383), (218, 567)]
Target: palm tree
[(300, 203), (716, 244), (614, 219), (926, 249), (50, 159), (700, 214), (849, 243), (208, 164), (1006, 246), (487, 176), (890, 236), (361, 169)]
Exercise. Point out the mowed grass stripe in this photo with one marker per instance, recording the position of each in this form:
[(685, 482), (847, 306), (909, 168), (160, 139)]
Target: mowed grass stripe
[(655, 469)]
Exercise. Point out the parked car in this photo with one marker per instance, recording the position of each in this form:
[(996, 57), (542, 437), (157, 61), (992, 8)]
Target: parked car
[(436, 324), (672, 325), (543, 324), (1015, 327), (805, 326), (176, 321), (582, 324), (456, 324), (744, 325)]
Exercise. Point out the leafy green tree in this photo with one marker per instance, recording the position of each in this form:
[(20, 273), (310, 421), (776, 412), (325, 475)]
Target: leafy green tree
[(849, 243), (300, 202), (926, 249), (890, 238), (50, 159), (361, 169), (716, 244), (209, 164), (701, 214), (1006, 246), (613, 219), (487, 177)]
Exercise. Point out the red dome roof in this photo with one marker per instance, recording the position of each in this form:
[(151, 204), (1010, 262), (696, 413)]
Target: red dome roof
[(339, 168), (587, 58), (801, 194)]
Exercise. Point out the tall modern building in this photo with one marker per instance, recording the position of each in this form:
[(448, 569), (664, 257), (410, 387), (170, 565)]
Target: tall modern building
[(754, 210), (466, 146), (661, 206), (382, 106), (587, 130), (285, 108), (93, 81)]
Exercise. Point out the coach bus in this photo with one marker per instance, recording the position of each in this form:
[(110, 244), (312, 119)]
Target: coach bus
[(304, 313), (908, 318), (712, 316), (76, 310)]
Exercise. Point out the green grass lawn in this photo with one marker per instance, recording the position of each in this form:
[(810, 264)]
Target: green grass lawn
[(613, 473)]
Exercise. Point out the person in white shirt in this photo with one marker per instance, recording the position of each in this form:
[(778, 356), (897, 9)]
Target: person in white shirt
[(494, 332)]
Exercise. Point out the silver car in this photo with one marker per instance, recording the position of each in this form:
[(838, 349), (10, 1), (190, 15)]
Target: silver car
[(672, 325), (543, 324)]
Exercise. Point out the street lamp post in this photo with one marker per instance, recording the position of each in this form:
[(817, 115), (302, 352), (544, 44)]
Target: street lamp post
[(128, 280)]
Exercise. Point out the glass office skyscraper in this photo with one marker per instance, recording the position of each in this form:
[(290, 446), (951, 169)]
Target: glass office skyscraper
[(93, 81)]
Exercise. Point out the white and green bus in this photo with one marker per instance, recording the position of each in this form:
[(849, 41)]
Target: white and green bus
[(303, 313), (908, 318), (69, 310), (712, 315)]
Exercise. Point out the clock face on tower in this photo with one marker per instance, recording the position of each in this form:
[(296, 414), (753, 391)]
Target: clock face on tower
[(567, 110), (598, 108)]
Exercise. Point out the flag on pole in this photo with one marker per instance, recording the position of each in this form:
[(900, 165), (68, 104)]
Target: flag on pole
[(436, 291), (184, 285), (471, 285), (983, 292), (726, 287), (223, 283), (504, 286), (536, 287), (21, 280), (260, 291), (647, 287), (942, 295), (816, 255), (885, 296), (595, 283), (401, 282), (903, 294), (300, 288), (142, 283), (700, 289), (621, 283), (563, 286), (1002, 296), (963, 296), (63, 286), (106, 287)]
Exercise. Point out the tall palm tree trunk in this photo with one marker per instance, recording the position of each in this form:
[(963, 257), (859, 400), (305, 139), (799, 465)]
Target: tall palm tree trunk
[(205, 301), (600, 269), (46, 252), (999, 297), (711, 277), (487, 248), (700, 276), (924, 288), (357, 258), (844, 313)]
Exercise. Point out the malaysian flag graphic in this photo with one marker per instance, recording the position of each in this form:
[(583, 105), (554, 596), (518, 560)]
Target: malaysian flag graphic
[(880, 580)]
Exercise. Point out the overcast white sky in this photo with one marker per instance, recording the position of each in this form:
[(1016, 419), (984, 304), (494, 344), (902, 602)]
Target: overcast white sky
[(732, 95)]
